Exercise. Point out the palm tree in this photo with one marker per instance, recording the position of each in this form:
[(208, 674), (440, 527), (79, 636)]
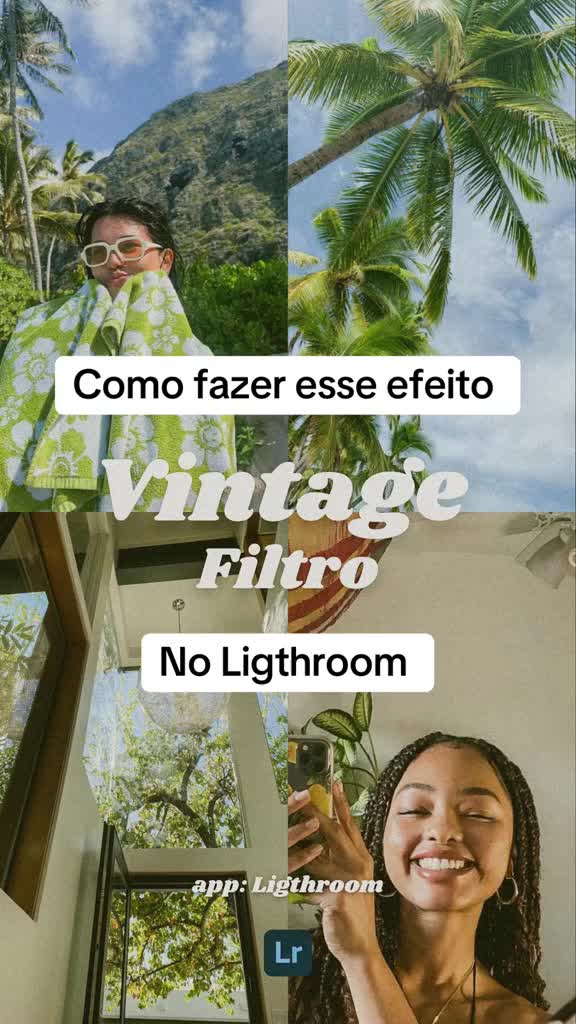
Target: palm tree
[(31, 41), (73, 185), (468, 92), (376, 277), (353, 444), (14, 238)]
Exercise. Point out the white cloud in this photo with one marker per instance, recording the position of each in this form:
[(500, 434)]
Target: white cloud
[(495, 309), (196, 53), (85, 90), (207, 36), (265, 31), (128, 32), (124, 33)]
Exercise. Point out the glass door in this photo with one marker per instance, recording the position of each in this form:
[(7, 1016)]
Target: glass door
[(165, 948), (107, 971)]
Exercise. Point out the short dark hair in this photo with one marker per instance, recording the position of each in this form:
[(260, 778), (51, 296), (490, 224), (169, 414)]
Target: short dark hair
[(152, 216)]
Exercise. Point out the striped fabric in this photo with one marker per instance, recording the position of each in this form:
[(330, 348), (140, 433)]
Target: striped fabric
[(314, 611)]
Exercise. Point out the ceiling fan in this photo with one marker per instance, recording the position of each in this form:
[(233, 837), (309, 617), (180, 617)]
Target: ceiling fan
[(551, 554)]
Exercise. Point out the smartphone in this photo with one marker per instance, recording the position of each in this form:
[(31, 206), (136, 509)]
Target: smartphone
[(311, 767)]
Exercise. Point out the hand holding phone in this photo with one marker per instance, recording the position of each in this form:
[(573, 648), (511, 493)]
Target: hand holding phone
[(310, 778)]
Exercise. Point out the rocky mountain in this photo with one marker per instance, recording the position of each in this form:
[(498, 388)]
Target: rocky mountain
[(217, 161)]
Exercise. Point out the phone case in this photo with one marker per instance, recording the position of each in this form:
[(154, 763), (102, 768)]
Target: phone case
[(311, 766)]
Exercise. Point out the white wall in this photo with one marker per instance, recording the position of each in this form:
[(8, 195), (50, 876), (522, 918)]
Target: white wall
[(504, 671)]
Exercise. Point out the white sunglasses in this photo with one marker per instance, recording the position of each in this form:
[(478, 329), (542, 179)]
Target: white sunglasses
[(130, 249)]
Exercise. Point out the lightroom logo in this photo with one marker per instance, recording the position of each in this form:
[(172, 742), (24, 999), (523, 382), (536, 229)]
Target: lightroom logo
[(288, 953)]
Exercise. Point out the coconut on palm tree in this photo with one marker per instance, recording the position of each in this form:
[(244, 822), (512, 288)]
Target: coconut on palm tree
[(32, 41), (351, 444), (377, 276), (465, 91)]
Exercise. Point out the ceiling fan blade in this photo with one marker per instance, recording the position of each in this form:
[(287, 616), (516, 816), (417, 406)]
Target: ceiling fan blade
[(522, 522)]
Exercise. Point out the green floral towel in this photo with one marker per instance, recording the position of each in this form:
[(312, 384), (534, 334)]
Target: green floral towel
[(48, 461)]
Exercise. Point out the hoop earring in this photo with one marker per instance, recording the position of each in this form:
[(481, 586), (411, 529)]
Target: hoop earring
[(513, 897), (388, 895)]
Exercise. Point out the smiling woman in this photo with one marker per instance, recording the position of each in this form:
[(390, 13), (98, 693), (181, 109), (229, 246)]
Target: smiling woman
[(451, 830)]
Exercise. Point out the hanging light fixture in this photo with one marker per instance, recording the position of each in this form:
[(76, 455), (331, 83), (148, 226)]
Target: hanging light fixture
[(183, 712), (551, 555)]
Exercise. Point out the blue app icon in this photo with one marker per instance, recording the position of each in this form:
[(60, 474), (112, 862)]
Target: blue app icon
[(288, 953)]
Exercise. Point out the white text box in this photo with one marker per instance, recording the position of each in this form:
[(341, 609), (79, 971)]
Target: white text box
[(240, 663), (288, 385)]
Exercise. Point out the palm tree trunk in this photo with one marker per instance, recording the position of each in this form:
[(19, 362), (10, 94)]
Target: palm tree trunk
[(13, 61), (324, 155), (49, 265)]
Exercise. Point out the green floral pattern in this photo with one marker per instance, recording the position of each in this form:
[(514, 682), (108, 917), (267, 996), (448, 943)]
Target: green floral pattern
[(49, 461)]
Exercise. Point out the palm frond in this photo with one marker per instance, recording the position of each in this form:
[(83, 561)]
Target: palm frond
[(44, 21), (515, 15), (529, 187), (425, 182), (485, 184), (531, 60), (333, 72), (393, 336), (309, 288), (416, 37), (29, 96), (531, 142), (349, 115), (328, 224), (40, 78), (407, 437), (379, 182), (534, 109), (399, 15), (299, 259), (442, 232), (312, 321)]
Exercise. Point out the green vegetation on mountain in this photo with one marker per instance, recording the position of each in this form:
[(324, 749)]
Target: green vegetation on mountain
[(217, 161)]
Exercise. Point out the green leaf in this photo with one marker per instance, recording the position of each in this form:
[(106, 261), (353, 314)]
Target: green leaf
[(485, 184), (302, 259), (338, 723), (335, 72), (362, 711), (359, 808), (349, 749), (378, 184)]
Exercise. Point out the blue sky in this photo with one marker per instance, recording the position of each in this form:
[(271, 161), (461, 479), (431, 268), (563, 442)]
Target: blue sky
[(512, 463), (136, 56)]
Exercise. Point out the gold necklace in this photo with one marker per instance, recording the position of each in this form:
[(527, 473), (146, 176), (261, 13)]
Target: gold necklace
[(460, 984), (456, 990)]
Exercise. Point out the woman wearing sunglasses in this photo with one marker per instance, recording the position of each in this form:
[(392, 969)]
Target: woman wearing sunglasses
[(127, 307), (451, 834)]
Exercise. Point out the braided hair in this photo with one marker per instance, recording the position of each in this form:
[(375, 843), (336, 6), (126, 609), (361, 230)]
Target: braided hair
[(508, 936)]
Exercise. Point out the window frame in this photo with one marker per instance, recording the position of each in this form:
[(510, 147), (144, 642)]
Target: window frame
[(35, 789), (141, 881), (13, 804)]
